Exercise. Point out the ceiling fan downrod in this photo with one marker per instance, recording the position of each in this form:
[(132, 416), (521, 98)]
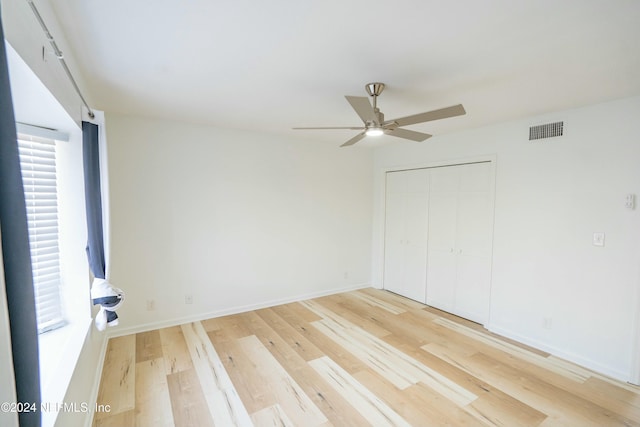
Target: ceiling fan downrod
[(374, 89)]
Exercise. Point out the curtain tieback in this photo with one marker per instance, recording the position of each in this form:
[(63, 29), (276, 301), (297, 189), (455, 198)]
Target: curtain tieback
[(110, 299)]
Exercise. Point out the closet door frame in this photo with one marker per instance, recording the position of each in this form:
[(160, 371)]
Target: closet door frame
[(379, 237)]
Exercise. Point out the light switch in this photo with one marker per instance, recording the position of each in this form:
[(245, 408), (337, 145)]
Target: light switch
[(598, 239)]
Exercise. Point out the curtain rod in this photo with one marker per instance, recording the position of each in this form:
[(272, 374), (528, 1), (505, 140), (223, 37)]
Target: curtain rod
[(58, 53)]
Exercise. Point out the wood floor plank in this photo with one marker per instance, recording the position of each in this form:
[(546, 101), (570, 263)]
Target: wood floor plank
[(274, 333), (148, 346), (287, 353), (560, 406), (607, 397), (188, 404), (300, 312), (632, 388), (224, 403), (174, 350), (372, 408), (373, 301), (230, 324), (240, 369), (419, 405), (571, 371), (365, 357), (369, 356), (294, 339), (256, 395), (400, 369), (117, 388), (289, 313), (336, 304), (121, 419), (153, 403), (405, 326), (271, 416), (393, 298), (618, 398), (492, 407), (292, 399)]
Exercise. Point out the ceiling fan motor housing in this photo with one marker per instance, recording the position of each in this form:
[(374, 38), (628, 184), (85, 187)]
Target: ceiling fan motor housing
[(374, 89)]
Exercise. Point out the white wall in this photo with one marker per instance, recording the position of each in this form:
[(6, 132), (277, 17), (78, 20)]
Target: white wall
[(235, 219), (550, 197)]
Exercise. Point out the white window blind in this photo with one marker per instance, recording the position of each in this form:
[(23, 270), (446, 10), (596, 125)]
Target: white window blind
[(38, 164)]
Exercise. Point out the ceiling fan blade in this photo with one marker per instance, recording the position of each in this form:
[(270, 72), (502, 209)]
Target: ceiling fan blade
[(351, 128), (355, 139), (443, 113), (363, 107), (407, 134)]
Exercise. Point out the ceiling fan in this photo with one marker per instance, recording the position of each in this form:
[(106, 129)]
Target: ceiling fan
[(375, 124)]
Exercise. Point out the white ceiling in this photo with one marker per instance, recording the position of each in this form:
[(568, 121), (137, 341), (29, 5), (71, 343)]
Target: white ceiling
[(268, 66)]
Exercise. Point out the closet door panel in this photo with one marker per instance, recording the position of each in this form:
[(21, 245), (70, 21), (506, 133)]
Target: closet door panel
[(460, 236), (395, 213), (406, 233), (396, 182), (394, 267), (472, 288), (474, 223), (442, 221), (416, 218), (415, 273), (441, 260), (417, 181), (473, 243), (474, 177), (394, 242), (444, 179), (441, 280)]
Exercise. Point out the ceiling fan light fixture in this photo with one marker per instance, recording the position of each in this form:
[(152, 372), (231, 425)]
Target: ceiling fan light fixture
[(374, 131)]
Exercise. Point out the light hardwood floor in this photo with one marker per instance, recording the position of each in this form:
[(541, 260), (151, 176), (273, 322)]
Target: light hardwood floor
[(366, 357)]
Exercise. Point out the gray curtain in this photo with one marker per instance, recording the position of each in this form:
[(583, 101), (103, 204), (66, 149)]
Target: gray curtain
[(93, 199), (103, 293), (16, 256)]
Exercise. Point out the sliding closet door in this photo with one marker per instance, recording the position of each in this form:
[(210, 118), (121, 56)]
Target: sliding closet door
[(394, 247), (473, 242), (443, 204), (460, 238), (406, 233)]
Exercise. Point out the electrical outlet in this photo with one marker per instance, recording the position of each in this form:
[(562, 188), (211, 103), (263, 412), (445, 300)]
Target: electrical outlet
[(598, 239), (151, 305), (630, 201), (547, 322), (188, 299)]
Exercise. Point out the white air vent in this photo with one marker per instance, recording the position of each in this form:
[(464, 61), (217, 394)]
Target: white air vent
[(548, 130)]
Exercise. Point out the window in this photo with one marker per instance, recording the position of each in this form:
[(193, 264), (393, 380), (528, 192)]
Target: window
[(39, 176)]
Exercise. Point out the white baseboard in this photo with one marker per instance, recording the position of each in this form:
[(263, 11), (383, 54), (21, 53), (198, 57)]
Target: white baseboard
[(117, 332), (563, 354)]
